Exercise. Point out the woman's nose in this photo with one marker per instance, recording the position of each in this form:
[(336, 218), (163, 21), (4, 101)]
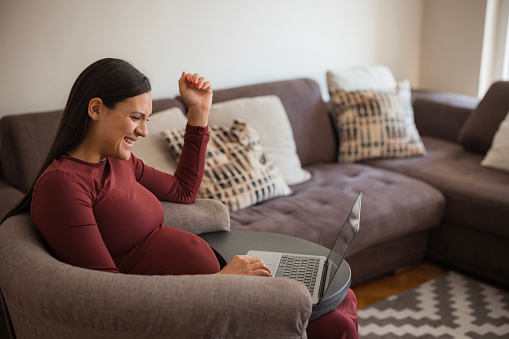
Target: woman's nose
[(141, 130)]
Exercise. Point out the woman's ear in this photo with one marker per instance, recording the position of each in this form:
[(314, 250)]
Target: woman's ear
[(95, 107)]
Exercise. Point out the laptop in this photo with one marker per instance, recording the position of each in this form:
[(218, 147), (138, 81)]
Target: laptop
[(316, 272)]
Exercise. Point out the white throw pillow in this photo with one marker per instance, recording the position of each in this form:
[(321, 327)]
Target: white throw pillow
[(267, 115), (152, 150), (498, 154), (378, 78)]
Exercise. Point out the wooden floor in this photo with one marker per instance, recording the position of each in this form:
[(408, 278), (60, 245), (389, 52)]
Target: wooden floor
[(402, 280)]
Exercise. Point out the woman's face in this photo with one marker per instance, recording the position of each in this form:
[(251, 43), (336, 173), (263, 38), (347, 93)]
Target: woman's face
[(119, 128)]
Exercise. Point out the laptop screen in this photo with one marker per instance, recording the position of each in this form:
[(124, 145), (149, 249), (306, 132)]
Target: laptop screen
[(345, 237)]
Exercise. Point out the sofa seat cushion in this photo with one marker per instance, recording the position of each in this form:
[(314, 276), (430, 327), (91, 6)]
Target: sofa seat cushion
[(476, 196), (393, 206)]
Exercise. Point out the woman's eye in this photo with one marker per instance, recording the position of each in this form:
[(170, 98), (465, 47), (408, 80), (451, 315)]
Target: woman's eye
[(136, 118)]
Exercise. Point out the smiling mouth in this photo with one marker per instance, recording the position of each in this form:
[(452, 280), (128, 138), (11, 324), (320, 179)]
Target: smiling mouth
[(129, 141)]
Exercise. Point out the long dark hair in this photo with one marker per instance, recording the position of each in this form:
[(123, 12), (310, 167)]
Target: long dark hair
[(111, 80)]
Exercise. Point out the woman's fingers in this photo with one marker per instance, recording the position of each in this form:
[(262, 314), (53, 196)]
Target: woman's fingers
[(197, 81), (206, 85), (259, 268), (246, 265), (193, 78)]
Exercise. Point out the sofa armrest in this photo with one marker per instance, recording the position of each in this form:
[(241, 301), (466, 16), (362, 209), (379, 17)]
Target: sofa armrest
[(441, 114), (204, 215), (438, 119), (49, 299)]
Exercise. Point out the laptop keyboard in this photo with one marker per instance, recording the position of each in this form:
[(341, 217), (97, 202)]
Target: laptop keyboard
[(303, 269)]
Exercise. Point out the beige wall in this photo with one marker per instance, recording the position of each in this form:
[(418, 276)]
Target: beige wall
[(437, 44), (46, 44), (452, 45)]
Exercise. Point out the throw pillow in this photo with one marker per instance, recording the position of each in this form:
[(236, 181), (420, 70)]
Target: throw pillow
[(150, 149), (237, 171), (362, 78), (498, 154), (477, 133), (267, 115), (375, 124)]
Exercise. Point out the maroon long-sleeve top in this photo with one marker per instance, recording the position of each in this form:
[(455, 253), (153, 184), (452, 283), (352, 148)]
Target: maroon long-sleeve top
[(107, 216)]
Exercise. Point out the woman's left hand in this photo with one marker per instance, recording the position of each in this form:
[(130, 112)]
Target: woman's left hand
[(197, 94)]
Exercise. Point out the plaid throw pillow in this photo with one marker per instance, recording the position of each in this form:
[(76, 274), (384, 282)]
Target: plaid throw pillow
[(375, 124), (237, 172)]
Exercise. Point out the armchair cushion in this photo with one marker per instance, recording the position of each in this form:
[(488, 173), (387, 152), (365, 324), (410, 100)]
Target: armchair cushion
[(50, 299)]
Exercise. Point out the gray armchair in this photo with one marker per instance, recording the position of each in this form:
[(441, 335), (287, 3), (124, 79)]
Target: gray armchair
[(45, 298)]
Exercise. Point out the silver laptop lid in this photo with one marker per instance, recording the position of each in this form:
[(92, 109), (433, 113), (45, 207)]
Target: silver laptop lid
[(345, 238)]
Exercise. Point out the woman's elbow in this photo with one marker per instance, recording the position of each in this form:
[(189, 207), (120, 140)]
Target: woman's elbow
[(188, 197)]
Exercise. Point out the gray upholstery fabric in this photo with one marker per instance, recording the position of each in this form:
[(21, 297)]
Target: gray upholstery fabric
[(439, 120), (478, 131), (472, 250), (49, 299), (204, 215), (393, 205), (23, 156), (9, 196), (448, 99), (383, 258), (477, 196)]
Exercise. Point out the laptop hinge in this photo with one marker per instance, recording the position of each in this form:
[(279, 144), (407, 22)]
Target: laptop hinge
[(325, 282)]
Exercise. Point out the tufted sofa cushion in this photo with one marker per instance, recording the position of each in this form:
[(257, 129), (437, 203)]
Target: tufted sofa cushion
[(393, 206)]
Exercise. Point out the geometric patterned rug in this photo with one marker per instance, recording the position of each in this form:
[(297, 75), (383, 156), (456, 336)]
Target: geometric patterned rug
[(452, 306)]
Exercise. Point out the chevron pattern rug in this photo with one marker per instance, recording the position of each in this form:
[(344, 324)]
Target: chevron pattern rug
[(450, 307)]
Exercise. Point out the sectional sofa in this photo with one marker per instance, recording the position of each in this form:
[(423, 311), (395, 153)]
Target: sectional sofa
[(444, 206)]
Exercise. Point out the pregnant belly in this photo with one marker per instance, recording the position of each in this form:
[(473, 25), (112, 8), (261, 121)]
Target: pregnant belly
[(169, 251)]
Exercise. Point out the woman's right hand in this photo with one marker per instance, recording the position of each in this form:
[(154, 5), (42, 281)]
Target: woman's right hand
[(197, 94), (246, 265)]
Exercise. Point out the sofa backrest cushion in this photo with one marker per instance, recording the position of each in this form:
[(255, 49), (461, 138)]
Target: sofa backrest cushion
[(27, 138), (438, 119), (480, 128), (312, 128)]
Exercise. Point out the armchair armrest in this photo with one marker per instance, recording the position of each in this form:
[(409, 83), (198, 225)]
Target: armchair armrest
[(49, 299), (204, 215)]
